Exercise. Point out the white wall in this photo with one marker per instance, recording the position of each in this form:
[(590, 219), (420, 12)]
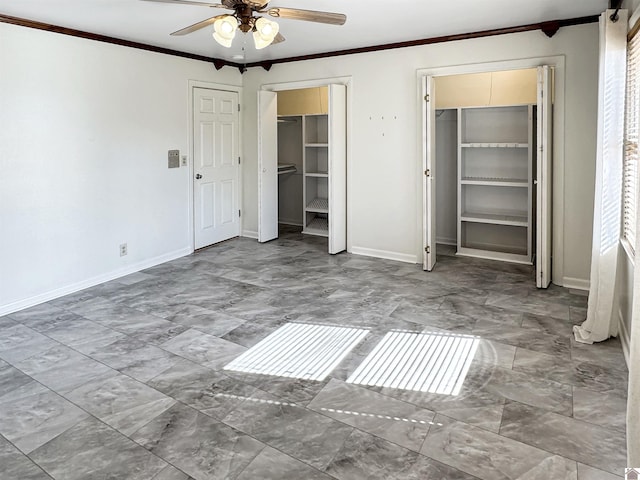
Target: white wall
[(383, 189), (631, 5), (84, 133)]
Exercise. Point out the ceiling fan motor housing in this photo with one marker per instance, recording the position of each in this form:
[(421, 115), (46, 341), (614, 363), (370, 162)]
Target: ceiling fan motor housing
[(253, 4), (244, 12)]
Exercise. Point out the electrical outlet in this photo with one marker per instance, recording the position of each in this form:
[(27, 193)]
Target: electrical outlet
[(184, 160), (123, 249)]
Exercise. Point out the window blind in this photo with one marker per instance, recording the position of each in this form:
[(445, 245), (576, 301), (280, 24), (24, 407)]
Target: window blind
[(630, 166)]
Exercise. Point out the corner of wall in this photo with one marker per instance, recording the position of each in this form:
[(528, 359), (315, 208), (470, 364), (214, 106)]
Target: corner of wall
[(625, 338), (575, 283)]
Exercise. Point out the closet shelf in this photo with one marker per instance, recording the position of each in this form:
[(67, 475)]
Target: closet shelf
[(287, 120), (318, 226), (516, 219), (318, 205), (495, 182), (514, 257), (493, 145), (317, 174), (316, 145)]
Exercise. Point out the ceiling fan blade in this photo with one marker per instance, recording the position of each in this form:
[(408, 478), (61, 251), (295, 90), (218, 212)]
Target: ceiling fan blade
[(308, 15), (189, 2), (279, 38), (197, 26)]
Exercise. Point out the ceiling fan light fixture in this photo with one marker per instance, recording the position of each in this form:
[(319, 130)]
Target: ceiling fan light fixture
[(264, 32), (224, 30)]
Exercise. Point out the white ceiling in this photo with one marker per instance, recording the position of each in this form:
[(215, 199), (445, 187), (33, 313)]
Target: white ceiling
[(368, 23)]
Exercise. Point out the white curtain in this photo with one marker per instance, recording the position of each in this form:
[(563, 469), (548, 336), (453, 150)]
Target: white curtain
[(601, 322)]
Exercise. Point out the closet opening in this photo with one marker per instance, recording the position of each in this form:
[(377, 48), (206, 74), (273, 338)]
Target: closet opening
[(488, 134), (308, 159)]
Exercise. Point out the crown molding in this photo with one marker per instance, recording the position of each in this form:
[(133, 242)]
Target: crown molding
[(23, 22), (548, 28)]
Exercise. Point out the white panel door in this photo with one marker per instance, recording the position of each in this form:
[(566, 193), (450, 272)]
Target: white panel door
[(544, 181), (267, 166), (337, 168), (215, 147), (429, 167)]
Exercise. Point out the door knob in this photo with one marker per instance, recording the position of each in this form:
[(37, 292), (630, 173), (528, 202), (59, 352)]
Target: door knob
[(198, 176)]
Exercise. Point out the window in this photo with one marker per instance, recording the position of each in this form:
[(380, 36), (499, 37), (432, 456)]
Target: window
[(630, 165)]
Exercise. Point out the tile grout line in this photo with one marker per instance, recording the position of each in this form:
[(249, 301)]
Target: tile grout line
[(547, 451), (26, 455), (90, 415)]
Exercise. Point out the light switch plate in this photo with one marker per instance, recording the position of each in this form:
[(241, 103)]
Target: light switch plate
[(174, 158)]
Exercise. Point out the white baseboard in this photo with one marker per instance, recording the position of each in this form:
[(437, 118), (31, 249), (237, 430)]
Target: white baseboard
[(625, 338), (447, 241), (576, 283), (370, 252), (91, 282), (249, 234), (295, 223)]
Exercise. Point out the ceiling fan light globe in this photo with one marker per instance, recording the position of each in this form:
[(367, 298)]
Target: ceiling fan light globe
[(265, 32), (224, 30), (225, 42), (259, 42)]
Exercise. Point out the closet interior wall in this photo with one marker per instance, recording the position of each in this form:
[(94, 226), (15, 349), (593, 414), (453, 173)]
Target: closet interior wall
[(290, 169)]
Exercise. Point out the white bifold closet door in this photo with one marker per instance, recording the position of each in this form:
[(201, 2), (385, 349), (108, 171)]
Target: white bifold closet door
[(267, 166), (428, 164), (544, 156), (337, 168)]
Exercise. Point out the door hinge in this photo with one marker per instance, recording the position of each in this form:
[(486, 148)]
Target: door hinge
[(427, 249), (427, 172), (238, 160), (239, 213), (426, 97), (238, 107)]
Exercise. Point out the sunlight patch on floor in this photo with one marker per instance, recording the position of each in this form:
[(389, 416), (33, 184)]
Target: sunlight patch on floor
[(299, 350), (423, 362)]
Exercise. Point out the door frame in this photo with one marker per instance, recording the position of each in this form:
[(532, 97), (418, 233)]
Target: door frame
[(191, 203), (323, 82), (558, 64)]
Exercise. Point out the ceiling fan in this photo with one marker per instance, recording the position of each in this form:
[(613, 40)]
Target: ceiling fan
[(265, 31)]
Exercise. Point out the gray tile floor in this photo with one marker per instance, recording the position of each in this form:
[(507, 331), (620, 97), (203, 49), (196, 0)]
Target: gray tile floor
[(126, 380)]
